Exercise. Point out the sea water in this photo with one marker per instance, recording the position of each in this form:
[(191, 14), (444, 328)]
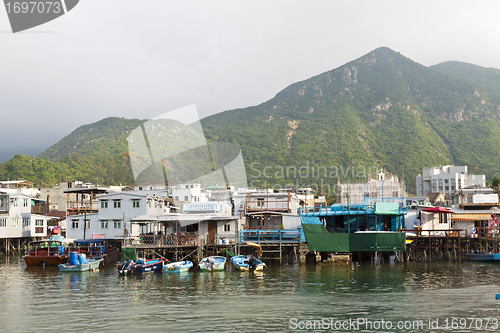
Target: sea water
[(419, 297)]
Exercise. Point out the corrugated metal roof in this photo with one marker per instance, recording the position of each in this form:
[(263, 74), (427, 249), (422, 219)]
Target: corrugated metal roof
[(470, 217)]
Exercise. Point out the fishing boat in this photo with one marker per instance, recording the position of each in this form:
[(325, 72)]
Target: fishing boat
[(50, 252), (213, 263), (247, 263), (177, 267), (483, 256), (97, 247), (141, 266), (79, 263)]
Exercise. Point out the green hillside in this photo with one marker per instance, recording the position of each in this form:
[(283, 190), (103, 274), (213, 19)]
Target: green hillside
[(381, 110), (101, 139), (477, 74), (114, 170)]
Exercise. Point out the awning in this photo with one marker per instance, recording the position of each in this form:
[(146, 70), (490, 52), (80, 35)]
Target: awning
[(387, 208), (437, 210), (470, 217)]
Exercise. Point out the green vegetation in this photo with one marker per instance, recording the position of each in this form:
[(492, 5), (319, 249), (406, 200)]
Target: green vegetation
[(114, 170), (379, 111), (102, 139)]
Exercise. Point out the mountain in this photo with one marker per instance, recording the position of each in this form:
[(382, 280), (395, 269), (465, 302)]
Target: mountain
[(477, 74), (382, 110), (101, 139)]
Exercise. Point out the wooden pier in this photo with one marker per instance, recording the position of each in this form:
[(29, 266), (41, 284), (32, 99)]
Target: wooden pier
[(441, 245), (191, 249)]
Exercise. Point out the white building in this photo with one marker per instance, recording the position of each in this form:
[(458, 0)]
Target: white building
[(447, 179), (19, 186), (113, 215), (374, 190), (17, 217), (187, 193), (58, 196), (200, 223)]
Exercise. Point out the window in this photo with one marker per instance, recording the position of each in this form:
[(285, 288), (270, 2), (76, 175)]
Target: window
[(186, 198), (15, 223), (25, 203), (14, 202), (135, 203), (156, 204), (74, 224), (227, 227), (149, 203), (3, 223), (1, 201), (117, 203), (26, 222), (104, 204), (117, 224), (104, 224), (38, 223), (260, 202), (87, 224)]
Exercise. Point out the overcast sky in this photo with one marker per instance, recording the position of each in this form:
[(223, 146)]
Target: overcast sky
[(142, 58)]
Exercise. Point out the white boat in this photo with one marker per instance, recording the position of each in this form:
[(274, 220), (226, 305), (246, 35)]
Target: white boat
[(247, 263), (213, 263), (81, 264), (177, 267)]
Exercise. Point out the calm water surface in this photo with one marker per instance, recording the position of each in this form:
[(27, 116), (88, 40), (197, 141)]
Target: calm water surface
[(36, 299)]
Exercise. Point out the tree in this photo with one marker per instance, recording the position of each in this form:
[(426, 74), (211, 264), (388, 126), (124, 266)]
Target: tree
[(495, 181)]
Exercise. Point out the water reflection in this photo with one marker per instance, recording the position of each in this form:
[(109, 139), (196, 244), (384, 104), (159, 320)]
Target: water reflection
[(231, 300)]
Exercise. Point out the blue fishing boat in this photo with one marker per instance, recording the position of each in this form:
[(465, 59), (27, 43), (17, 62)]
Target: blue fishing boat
[(141, 266), (78, 262), (213, 263), (177, 267), (483, 256), (247, 263)]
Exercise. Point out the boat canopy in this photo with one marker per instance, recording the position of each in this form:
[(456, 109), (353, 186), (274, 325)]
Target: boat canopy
[(387, 208), (319, 239)]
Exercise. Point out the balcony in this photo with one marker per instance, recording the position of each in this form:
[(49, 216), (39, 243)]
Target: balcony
[(269, 236)]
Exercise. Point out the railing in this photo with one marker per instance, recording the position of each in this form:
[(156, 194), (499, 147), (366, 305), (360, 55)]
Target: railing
[(276, 206), (439, 233), (488, 233), (46, 249), (269, 236), (337, 210), (83, 206), (40, 209), (170, 240), (182, 238)]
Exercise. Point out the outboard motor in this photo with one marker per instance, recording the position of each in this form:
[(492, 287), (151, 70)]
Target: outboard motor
[(126, 267), (210, 263), (252, 262)]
